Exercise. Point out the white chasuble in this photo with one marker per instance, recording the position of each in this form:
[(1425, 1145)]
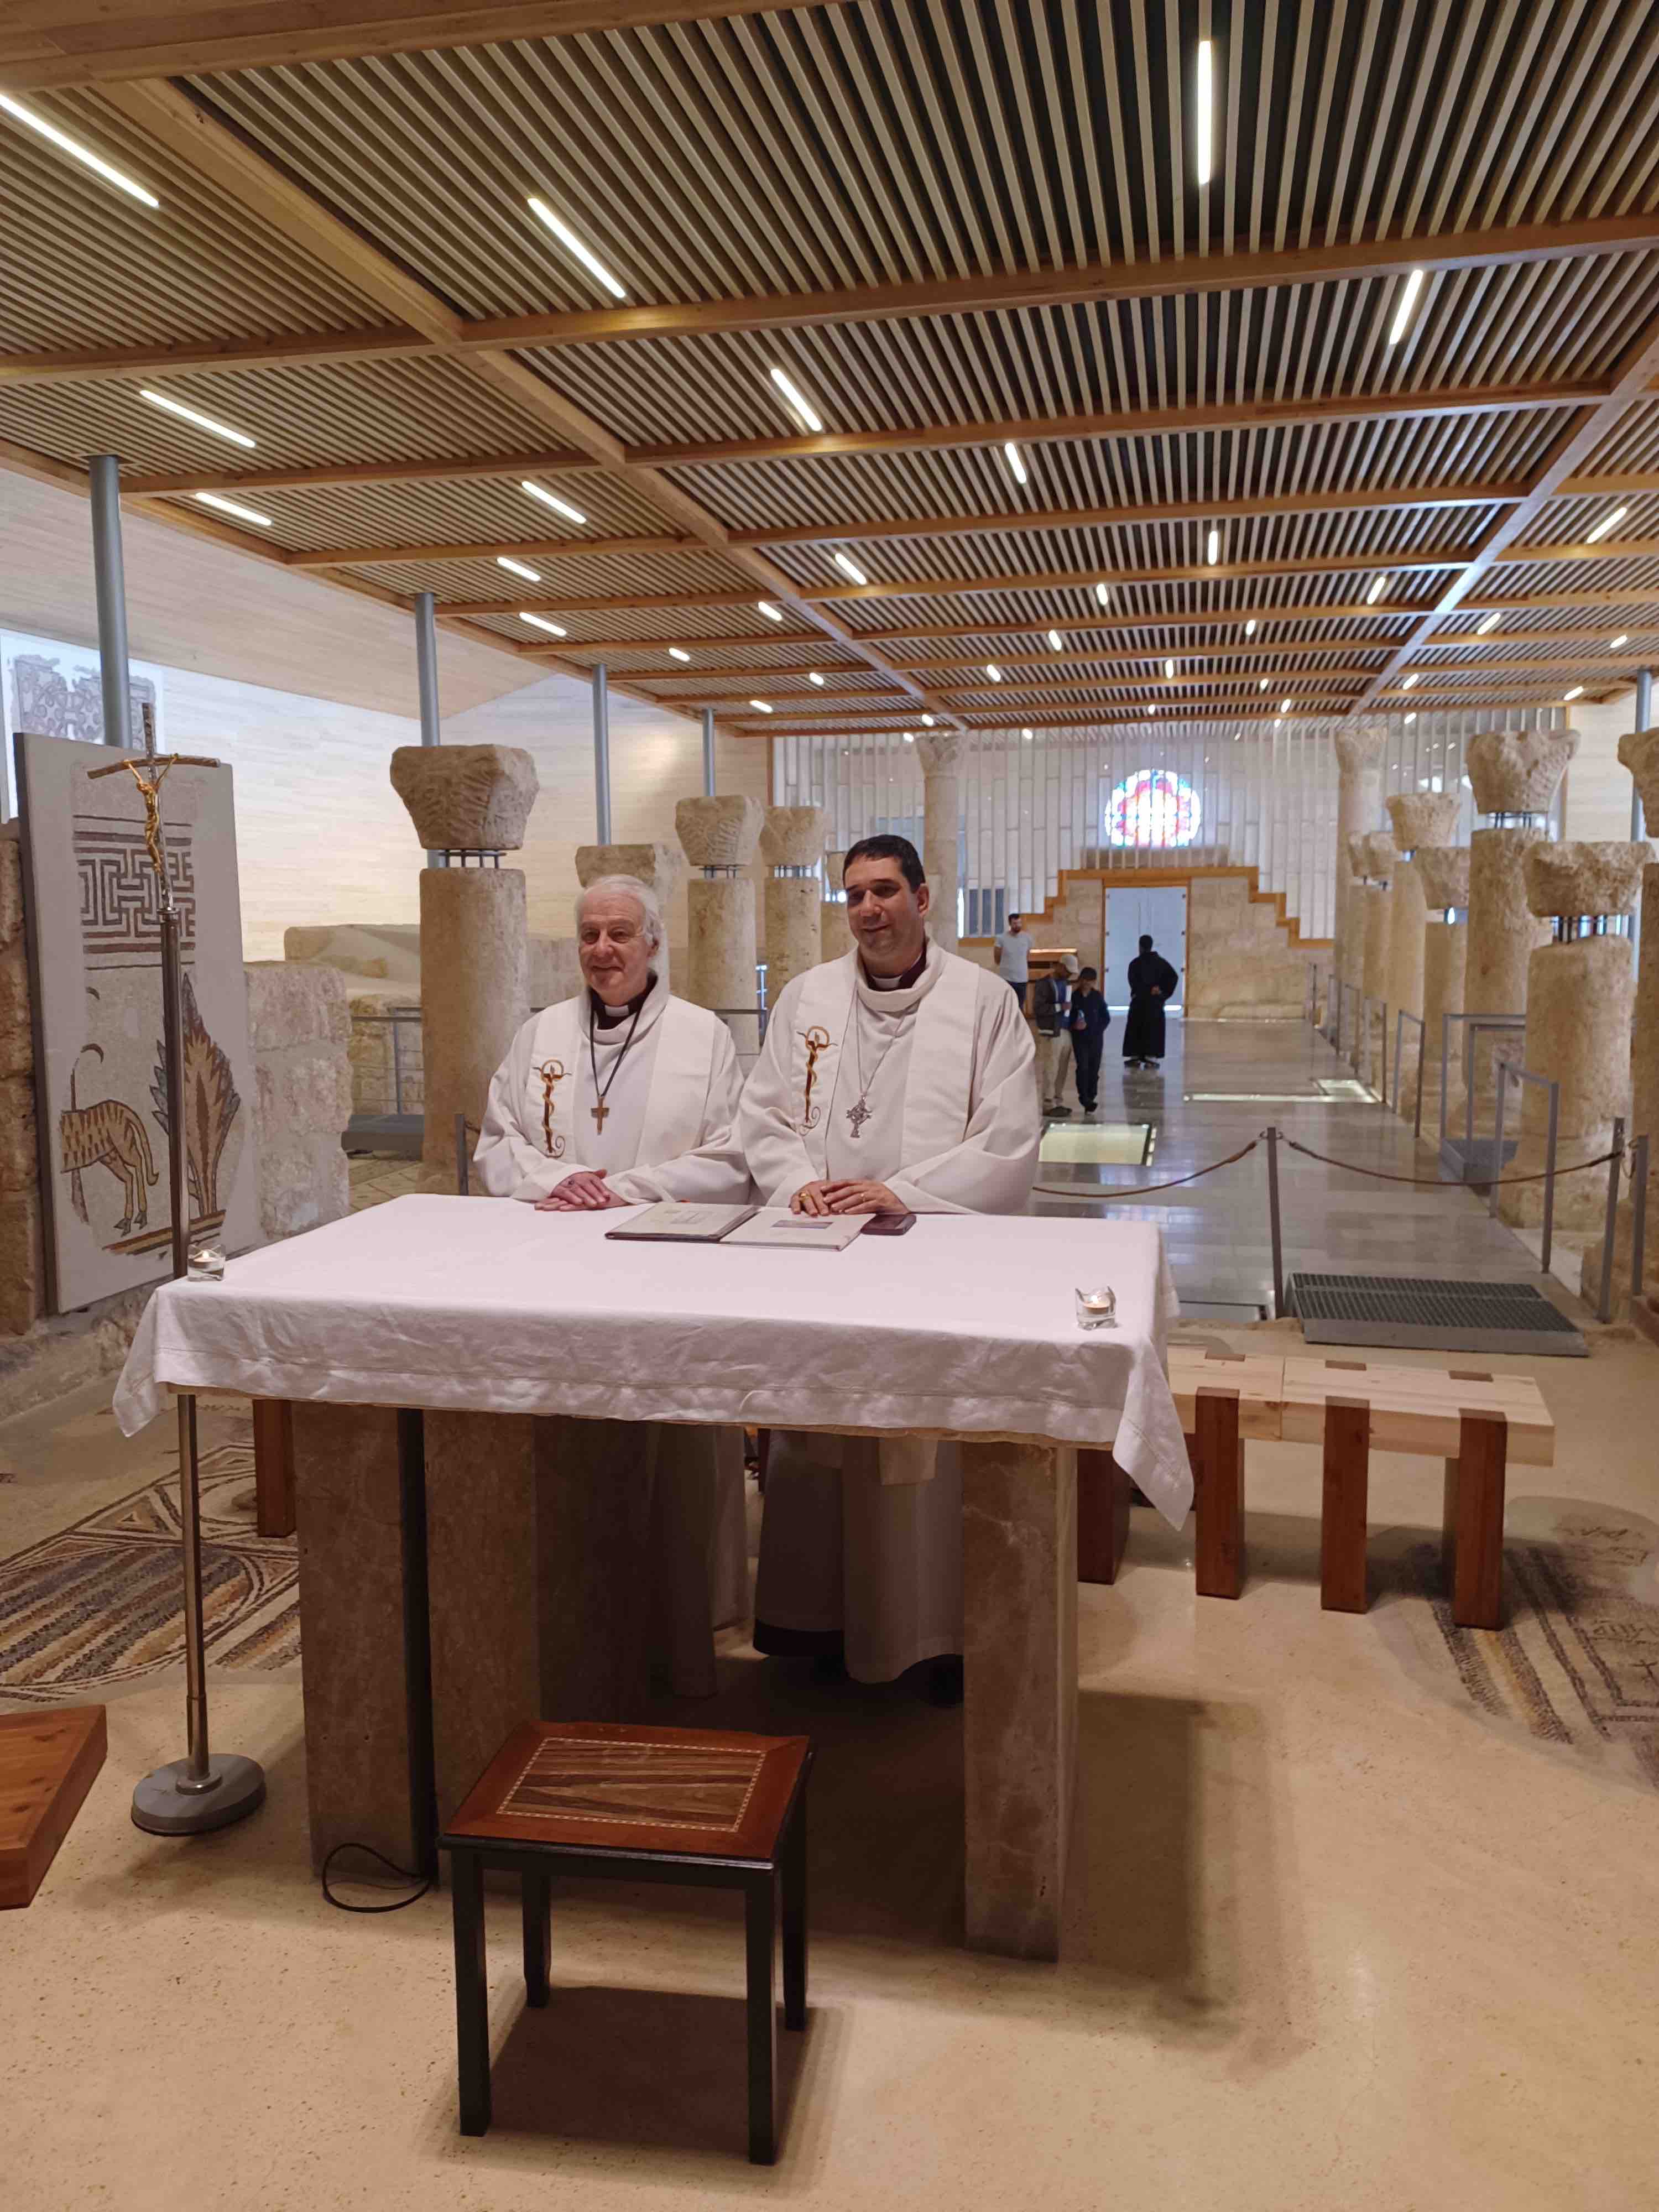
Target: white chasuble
[(666, 1089), (928, 1089)]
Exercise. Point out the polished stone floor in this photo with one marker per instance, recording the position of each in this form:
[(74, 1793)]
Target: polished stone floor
[(1220, 1084)]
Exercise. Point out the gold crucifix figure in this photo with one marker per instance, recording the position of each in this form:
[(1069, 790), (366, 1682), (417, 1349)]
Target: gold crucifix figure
[(552, 1073), (816, 1040)]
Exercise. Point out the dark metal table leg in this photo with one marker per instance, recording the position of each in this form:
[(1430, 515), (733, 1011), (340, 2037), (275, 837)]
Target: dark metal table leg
[(471, 1992), (792, 1870), (538, 1936), (759, 1924)]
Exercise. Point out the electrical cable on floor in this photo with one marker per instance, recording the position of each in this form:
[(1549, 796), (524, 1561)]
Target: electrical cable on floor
[(403, 1874)]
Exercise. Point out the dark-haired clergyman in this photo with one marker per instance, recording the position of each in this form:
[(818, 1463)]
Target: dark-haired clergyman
[(896, 1080)]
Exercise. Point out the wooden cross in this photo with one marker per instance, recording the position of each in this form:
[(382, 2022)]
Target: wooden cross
[(599, 1113)]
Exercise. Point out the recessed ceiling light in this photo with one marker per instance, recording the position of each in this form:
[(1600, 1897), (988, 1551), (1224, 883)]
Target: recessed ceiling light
[(928, 722), (1487, 624), (540, 621), (1056, 643), (193, 415), (812, 676), (572, 244), (679, 653), (772, 613), (1152, 707), (1262, 685), (551, 499), (993, 672), (1026, 734), (1284, 706), (1168, 668), (1011, 453), (1250, 626), (799, 405), (1103, 594), (909, 737), (1576, 692), (1408, 301), (1379, 585), (1205, 100), (1607, 522), (850, 568), (1212, 548), (1409, 682), (519, 569), (76, 151), (760, 705), (1613, 643), (1411, 718), (231, 507)]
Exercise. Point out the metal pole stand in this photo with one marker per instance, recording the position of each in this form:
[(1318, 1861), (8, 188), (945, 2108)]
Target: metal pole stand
[(205, 1789), (1274, 1226)]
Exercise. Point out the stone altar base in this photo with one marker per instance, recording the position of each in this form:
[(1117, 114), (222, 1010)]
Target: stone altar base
[(475, 992), (1579, 999)]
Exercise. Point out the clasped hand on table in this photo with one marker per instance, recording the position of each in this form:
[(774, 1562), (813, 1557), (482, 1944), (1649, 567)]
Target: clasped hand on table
[(586, 1191), (824, 1197)]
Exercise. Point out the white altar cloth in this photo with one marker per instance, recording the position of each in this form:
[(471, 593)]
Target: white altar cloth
[(965, 1326)]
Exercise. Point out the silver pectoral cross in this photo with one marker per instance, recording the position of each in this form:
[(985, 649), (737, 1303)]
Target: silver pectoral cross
[(856, 1114)]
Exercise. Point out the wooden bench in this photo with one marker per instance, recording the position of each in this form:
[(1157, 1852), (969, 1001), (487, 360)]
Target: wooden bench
[(48, 1762)]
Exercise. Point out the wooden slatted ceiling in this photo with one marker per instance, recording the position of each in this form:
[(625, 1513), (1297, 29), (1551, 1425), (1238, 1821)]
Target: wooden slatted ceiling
[(936, 142)]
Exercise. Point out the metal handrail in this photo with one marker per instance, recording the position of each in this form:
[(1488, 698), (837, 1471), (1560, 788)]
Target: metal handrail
[(1401, 1016), (1505, 1069), (1366, 1002), (1471, 1023)]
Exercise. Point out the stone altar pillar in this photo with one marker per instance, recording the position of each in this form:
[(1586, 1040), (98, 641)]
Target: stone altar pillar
[(941, 756), (1581, 993), (1639, 753), (471, 802), (792, 844), (1444, 873), (1514, 775), (719, 836), (835, 938), (1358, 807), (1371, 912), (1420, 819), (660, 867)]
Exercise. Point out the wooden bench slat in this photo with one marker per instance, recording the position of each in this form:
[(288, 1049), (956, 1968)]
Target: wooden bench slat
[(1419, 1409)]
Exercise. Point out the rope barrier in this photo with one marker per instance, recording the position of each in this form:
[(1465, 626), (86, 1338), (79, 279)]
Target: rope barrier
[(1437, 1182), (1144, 1190)]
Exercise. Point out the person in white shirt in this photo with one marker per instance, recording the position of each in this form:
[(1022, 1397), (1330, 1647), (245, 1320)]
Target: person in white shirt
[(1013, 958), (896, 1080), (623, 1095)]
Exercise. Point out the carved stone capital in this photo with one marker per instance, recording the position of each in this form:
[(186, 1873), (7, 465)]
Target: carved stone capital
[(793, 837), (1574, 878), (1423, 818), (940, 750), (1373, 855), (1444, 873), (1518, 771), (1638, 752), (468, 798), (1359, 745), (661, 867), (719, 833)]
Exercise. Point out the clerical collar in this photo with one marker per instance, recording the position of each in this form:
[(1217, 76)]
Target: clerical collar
[(607, 1018), (907, 982)]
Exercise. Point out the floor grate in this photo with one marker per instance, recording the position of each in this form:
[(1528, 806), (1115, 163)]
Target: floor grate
[(1423, 1312)]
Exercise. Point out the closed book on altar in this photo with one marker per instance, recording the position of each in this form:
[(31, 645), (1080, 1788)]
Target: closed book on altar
[(777, 1226), (670, 1222)]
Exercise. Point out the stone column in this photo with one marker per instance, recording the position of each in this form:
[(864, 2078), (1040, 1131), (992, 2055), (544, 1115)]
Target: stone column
[(1358, 807), (941, 757), (1444, 873), (835, 938), (1420, 819), (719, 836), (471, 801), (1581, 993), (792, 844), (660, 867), (1370, 913), (1514, 775), (1639, 752)]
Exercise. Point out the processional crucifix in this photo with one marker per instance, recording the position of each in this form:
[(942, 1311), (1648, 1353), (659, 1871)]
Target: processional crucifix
[(201, 1791)]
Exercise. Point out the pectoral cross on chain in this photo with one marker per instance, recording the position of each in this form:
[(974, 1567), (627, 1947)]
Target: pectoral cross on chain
[(599, 1113), (856, 1114)]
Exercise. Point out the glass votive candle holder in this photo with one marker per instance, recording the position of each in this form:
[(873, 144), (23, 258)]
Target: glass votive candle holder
[(1096, 1309), (206, 1264)]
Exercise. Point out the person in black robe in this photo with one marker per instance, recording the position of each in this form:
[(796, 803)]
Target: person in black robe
[(1151, 981)]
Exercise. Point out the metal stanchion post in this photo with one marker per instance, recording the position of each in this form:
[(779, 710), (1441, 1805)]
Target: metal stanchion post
[(1445, 1070), (1274, 1223), (1604, 1302), (1550, 1136), (1638, 1217), (1502, 1071), (460, 1155), (1422, 1055), (1399, 1055)]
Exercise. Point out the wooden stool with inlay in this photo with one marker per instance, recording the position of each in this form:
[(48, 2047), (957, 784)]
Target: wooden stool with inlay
[(636, 1804), (1222, 1398)]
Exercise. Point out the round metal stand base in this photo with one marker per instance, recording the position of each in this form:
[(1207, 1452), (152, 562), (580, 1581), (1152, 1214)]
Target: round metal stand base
[(161, 1807)]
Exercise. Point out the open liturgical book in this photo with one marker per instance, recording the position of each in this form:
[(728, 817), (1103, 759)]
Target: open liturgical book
[(670, 1223)]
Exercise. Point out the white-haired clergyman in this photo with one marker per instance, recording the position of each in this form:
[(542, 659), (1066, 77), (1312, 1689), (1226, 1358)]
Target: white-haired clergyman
[(623, 1094)]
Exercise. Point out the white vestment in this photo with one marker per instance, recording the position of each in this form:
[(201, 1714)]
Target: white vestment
[(669, 1084), (871, 1543)]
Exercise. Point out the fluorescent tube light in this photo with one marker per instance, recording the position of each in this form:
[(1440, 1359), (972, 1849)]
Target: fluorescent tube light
[(1250, 626), (1011, 453), (928, 722), (1284, 706), (1607, 522), (192, 415), (572, 244), (1576, 692), (1379, 585), (812, 676), (1212, 548), (1168, 668), (519, 569), (1205, 118), (1026, 734), (1613, 643), (1103, 594), (1056, 643), (540, 621), (231, 507), (679, 653), (799, 405), (76, 151), (551, 499), (772, 613), (993, 672), (1407, 302), (1409, 682), (850, 568), (1487, 624), (760, 705)]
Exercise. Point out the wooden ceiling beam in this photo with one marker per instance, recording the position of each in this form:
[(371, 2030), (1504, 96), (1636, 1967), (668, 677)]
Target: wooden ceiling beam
[(47, 46), (538, 549), (542, 461)]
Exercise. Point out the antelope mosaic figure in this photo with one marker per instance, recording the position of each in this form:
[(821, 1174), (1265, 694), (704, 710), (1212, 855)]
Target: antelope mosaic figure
[(107, 1134)]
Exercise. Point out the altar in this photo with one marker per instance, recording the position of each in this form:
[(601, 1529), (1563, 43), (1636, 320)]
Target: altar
[(463, 1569)]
